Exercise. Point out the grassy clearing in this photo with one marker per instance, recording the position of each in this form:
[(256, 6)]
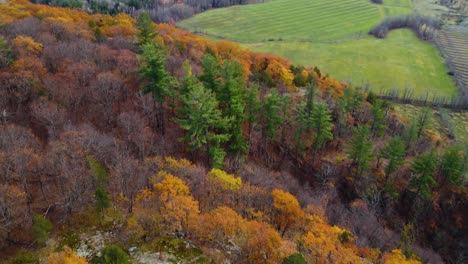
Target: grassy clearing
[(332, 34), (457, 120), (401, 60)]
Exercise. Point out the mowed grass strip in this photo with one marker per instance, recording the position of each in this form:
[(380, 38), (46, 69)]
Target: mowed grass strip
[(399, 61), (311, 20)]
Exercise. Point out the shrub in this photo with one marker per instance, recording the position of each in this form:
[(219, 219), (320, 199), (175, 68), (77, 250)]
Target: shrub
[(23, 257), (113, 254), (295, 259)]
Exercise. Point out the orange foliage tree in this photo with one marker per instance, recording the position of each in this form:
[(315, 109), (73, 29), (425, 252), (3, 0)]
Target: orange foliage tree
[(287, 211), (171, 200), (67, 256)]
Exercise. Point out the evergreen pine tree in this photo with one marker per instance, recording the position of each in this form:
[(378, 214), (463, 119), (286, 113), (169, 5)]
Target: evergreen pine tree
[(271, 115), (155, 79), (231, 98), (424, 166), (146, 30), (394, 152), (203, 124), (211, 72), (378, 114), (360, 149), (304, 116), (322, 122), (453, 165)]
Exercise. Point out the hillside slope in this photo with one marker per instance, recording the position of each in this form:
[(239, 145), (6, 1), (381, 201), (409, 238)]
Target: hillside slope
[(128, 138)]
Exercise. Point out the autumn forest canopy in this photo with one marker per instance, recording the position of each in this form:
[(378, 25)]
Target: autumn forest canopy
[(126, 141)]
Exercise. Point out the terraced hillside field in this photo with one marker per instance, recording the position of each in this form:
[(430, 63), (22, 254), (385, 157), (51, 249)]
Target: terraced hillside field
[(454, 46), (332, 34)]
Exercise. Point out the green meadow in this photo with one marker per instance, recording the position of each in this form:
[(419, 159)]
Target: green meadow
[(332, 34)]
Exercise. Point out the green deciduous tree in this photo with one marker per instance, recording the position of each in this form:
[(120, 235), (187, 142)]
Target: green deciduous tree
[(322, 122), (203, 124), (360, 149), (155, 79), (453, 164), (424, 166)]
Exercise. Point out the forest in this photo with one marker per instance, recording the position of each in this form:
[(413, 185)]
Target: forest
[(162, 11), (193, 151)]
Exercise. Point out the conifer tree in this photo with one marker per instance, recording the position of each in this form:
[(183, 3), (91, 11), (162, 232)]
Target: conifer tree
[(453, 165), (146, 30), (41, 228), (271, 115), (409, 135), (424, 167), (423, 120), (394, 152), (360, 149), (304, 117), (155, 79), (211, 72), (322, 122), (203, 124), (231, 98), (101, 177)]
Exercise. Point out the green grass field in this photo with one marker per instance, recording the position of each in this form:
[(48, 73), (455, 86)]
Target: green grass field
[(332, 34), (398, 61), (312, 20)]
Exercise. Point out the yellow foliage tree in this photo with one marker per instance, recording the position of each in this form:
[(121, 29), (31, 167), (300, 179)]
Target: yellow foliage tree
[(396, 257), (171, 204), (26, 46), (227, 181), (67, 256), (219, 226), (278, 71), (171, 186), (288, 212)]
